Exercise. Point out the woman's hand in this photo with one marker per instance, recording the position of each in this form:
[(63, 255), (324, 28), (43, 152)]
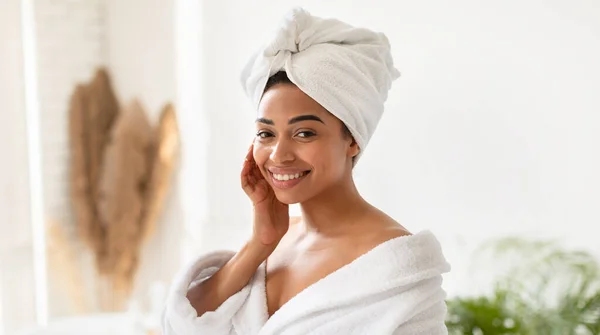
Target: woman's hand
[(271, 217), (271, 221)]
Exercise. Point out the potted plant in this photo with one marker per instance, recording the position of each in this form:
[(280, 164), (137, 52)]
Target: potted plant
[(547, 290)]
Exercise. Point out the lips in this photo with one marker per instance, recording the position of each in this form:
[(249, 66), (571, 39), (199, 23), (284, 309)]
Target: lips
[(286, 180)]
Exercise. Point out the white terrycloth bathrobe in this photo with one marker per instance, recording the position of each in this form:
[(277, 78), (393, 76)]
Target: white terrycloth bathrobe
[(393, 289)]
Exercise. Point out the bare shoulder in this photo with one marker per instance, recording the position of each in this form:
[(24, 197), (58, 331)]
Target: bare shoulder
[(382, 228)]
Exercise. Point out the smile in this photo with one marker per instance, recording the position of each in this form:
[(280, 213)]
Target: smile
[(286, 181)]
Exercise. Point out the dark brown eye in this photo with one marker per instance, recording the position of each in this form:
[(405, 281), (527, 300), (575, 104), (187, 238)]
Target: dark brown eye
[(263, 134), (306, 134)]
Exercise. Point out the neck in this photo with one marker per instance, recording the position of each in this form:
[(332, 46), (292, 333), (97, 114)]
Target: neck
[(333, 210)]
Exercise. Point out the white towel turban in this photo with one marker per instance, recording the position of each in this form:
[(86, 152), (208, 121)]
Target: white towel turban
[(347, 70)]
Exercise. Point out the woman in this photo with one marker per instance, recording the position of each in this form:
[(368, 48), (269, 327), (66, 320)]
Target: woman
[(343, 267)]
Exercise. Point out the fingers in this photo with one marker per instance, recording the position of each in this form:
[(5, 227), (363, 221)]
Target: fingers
[(251, 177), (250, 153), (245, 177), (254, 171), (257, 173), (254, 175), (248, 177)]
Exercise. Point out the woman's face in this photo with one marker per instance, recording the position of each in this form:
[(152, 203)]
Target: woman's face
[(299, 146)]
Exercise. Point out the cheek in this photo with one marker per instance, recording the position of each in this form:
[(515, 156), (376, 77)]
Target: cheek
[(322, 157), (261, 154), (311, 154), (331, 160)]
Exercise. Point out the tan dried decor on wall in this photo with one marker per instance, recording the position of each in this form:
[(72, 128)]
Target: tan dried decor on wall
[(123, 186), (121, 170), (163, 163), (93, 110)]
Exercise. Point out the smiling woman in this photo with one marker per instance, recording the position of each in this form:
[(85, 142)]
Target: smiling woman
[(300, 147), (343, 266)]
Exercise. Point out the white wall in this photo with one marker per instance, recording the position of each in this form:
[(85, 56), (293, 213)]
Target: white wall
[(16, 257), (490, 130), (141, 50)]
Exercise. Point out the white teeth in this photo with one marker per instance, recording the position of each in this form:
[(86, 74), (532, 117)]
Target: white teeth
[(285, 177)]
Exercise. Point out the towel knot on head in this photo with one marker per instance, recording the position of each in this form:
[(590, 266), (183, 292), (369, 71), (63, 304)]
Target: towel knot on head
[(347, 70)]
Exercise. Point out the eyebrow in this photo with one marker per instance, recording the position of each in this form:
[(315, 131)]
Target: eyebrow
[(292, 120)]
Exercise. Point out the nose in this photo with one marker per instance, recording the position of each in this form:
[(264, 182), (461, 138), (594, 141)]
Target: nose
[(282, 153)]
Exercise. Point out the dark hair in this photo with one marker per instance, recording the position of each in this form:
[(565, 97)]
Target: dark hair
[(278, 78), (282, 78)]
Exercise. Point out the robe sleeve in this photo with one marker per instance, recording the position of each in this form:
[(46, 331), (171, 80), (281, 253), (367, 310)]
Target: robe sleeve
[(180, 318)]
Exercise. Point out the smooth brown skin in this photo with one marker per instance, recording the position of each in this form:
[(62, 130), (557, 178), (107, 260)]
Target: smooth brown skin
[(337, 224)]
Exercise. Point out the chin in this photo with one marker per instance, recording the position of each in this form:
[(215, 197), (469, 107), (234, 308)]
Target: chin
[(291, 198)]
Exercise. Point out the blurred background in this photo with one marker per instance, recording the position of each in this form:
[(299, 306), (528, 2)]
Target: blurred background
[(125, 126)]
